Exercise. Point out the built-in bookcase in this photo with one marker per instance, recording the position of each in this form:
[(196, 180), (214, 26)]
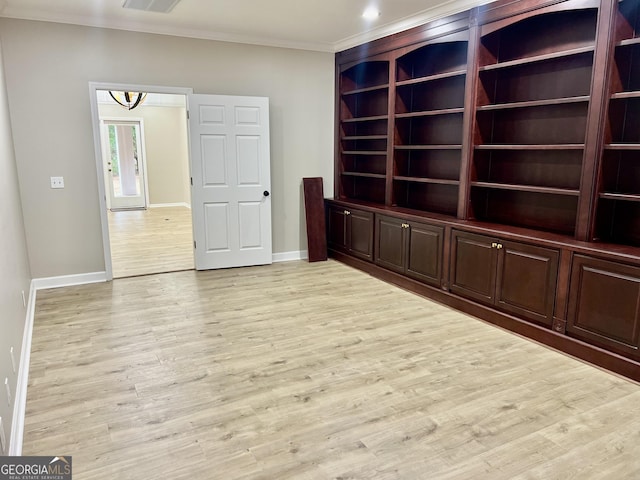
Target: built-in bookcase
[(618, 213), (364, 117), (429, 108), (534, 82)]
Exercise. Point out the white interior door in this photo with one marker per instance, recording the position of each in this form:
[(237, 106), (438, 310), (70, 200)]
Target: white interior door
[(230, 169), (123, 159)]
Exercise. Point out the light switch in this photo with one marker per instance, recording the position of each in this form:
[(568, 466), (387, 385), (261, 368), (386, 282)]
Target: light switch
[(57, 182)]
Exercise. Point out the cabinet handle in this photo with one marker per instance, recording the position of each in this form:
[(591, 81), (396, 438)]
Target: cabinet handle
[(494, 245), (405, 225), (347, 212)]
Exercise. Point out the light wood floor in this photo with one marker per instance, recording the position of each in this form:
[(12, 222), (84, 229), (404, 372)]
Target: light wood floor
[(310, 371), (156, 240)]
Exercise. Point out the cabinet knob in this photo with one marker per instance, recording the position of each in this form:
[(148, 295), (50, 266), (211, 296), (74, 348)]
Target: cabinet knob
[(494, 245), (347, 212), (499, 246)]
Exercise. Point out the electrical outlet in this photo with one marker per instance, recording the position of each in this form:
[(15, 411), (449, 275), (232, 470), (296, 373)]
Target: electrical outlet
[(3, 440), (13, 360), (6, 385), (57, 182), (24, 299)]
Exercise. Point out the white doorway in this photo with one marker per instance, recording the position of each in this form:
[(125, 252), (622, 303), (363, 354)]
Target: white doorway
[(227, 232), (124, 163), (158, 237)]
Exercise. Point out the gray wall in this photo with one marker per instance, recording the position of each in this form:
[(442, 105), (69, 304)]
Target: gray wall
[(48, 68), (14, 262)]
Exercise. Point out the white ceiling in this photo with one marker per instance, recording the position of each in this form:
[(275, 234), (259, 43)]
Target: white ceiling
[(323, 25)]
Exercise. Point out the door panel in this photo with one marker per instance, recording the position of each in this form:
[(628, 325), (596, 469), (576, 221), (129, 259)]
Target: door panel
[(424, 260), (604, 303), (249, 220), (360, 234), (473, 266), (248, 149), (390, 243), (526, 281), (230, 166), (337, 228), (214, 164), (216, 221)]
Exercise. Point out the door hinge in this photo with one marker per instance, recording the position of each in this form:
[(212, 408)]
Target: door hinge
[(194, 244), (187, 114), (192, 181)]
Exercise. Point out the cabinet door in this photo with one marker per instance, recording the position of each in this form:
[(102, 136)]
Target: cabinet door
[(390, 243), (360, 234), (424, 253), (603, 304), (336, 228), (473, 266), (526, 281)]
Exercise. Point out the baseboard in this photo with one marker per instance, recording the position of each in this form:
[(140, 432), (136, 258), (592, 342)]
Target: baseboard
[(164, 205), (20, 405), (69, 280), (290, 256)]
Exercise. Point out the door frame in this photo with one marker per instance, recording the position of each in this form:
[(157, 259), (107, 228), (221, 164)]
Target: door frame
[(143, 151), (97, 147)]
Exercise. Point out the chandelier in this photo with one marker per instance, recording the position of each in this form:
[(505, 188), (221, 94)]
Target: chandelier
[(128, 100)]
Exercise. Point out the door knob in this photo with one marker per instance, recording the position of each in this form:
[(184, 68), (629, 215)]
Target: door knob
[(265, 193)]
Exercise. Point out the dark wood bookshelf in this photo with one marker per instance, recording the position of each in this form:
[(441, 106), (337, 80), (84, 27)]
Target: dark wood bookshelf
[(541, 146), (526, 188), (427, 113), (534, 103), (624, 95), (431, 78), (367, 89), (622, 146), (365, 175), (364, 152), (427, 180), (621, 196), (628, 42), (366, 119), (364, 137), (538, 58), (427, 147), (505, 141)]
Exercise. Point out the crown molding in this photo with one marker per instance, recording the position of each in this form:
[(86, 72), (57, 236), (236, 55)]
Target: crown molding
[(434, 13), (27, 14), (425, 16)]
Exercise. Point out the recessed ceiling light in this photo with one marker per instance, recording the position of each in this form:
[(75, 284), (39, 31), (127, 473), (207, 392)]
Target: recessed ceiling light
[(371, 13)]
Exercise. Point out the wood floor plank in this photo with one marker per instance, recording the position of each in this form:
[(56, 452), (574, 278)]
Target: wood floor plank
[(156, 240), (310, 371)]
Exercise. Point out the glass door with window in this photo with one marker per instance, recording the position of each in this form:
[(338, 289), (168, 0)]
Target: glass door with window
[(124, 164)]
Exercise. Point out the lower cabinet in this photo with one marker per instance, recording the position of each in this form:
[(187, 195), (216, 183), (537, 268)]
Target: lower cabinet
[(604, 304), (515, 277), (350, 231), (411, 248)]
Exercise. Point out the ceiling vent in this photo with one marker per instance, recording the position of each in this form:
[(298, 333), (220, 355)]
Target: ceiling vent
[(158, 6)]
